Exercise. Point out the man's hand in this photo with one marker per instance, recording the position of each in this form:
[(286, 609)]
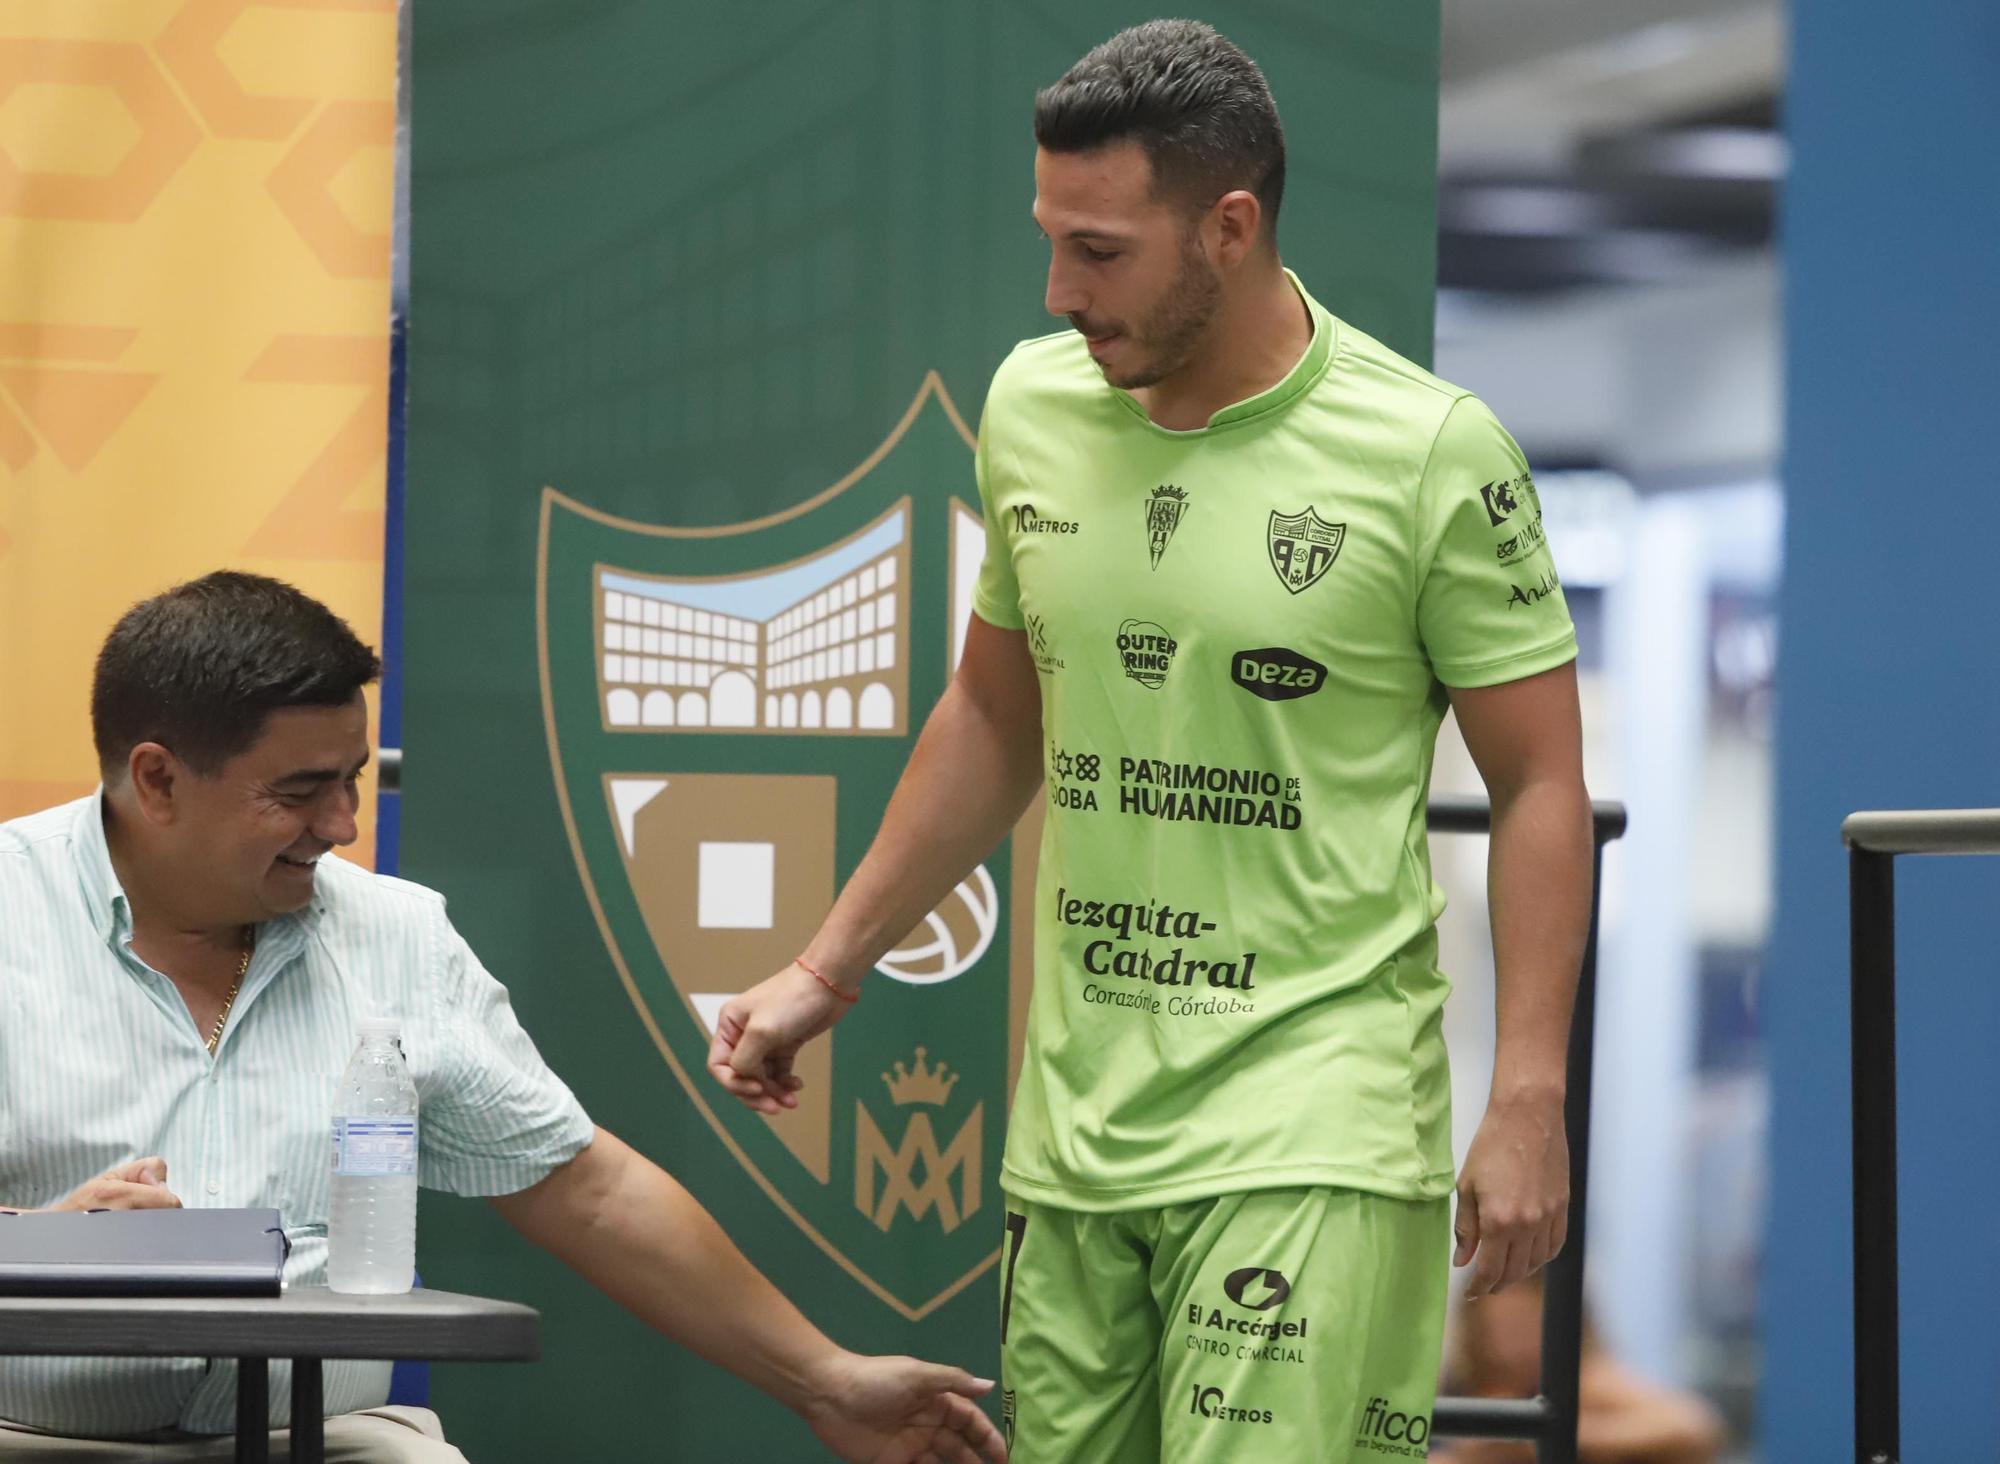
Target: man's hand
[(630, 1229), (1513, 1194), (760, 1033), (897, 1410), (139, 1185)]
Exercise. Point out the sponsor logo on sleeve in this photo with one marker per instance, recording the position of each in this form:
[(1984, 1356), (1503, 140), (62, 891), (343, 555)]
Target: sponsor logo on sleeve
[(1276, 673), (1533, 594), (1027, 521), (1501, 499), (1505, 497), (1521, 544)]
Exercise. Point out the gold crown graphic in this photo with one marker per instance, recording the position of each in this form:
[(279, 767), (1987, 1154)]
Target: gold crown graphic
[(920, 1084)]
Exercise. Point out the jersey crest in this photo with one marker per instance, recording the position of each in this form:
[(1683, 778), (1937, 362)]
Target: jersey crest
[(1164, 511), (1303, 547)]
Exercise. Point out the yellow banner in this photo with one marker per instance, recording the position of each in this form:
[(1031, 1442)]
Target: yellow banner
[(195, 201)]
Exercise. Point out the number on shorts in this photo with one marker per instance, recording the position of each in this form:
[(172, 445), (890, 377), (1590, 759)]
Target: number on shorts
[(1017, 1226)]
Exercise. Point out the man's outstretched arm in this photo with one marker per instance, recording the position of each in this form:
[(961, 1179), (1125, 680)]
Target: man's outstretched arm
[(627, 1227), (973, 770)]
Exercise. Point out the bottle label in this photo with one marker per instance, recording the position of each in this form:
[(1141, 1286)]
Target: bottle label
[(368, 1147)]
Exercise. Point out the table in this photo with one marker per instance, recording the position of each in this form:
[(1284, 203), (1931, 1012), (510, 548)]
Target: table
[(305, 1325)]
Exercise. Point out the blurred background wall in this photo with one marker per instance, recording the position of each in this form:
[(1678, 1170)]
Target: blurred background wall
[(1609, 280), (1889, 698), (1741, 428)]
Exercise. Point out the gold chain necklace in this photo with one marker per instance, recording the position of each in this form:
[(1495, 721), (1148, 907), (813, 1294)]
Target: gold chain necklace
[(242, 968)]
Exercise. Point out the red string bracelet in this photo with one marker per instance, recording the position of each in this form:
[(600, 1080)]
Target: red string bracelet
[(850, 997)]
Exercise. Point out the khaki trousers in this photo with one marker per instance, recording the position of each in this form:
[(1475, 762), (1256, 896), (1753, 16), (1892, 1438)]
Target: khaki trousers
[(372, 1436)]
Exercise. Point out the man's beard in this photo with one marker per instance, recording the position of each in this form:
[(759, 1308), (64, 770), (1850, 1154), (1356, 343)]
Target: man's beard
[(1172, 333)]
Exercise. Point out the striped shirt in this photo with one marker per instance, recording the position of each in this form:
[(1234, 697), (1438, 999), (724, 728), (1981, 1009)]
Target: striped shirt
[(100, 1063)]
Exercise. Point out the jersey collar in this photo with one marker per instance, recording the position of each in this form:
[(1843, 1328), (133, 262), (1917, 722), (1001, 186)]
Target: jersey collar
[(103, 895), (1296, 382)]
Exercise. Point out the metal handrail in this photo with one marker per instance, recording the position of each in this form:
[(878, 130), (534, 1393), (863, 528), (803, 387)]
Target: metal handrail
[(1456, 813), (1549, 1420), (1924, 831), (1873, 840)]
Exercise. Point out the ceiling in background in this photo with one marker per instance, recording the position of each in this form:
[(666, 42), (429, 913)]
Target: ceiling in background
[(1587, 142)]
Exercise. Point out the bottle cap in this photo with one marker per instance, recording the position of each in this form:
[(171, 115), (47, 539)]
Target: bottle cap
[(379, 1027)]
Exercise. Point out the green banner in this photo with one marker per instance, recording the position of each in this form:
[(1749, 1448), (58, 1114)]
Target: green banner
[(703, 307)]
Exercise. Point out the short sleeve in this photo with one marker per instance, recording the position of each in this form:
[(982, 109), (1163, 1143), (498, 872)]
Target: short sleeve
[(1489, 606), (494, 1119), (997, 594)]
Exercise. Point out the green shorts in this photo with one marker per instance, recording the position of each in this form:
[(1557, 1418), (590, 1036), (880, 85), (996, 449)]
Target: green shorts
[(1288, 1324)]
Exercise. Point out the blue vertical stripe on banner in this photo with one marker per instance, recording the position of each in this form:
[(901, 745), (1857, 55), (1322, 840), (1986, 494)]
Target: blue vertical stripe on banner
[(389, 802)]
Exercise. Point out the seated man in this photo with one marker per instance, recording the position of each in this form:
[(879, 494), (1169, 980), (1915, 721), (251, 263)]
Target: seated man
[(181, 972)]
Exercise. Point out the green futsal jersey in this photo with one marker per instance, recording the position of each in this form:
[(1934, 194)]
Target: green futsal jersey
[(1243, 636)]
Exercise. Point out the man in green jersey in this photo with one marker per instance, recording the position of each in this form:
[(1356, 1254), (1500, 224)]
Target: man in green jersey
[(1286, 550)]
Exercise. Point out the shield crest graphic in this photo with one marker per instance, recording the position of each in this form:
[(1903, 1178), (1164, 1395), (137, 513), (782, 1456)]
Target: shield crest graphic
[(1303, 547), (727, 711)]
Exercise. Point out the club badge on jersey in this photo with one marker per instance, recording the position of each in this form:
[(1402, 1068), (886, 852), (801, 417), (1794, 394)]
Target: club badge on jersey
[(1303, 547)]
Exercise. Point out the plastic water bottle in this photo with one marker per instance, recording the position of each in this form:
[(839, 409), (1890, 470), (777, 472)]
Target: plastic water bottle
[(372, 1232)]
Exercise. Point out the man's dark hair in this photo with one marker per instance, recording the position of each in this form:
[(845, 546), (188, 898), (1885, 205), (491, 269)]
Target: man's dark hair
[(200, 667), (1198, 105)]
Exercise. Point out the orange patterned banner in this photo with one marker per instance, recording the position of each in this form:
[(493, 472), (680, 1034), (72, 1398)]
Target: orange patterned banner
[(195, 201)]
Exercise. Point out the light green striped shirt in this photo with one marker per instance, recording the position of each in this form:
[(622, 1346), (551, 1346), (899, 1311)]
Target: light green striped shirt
[(100, 1063)]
